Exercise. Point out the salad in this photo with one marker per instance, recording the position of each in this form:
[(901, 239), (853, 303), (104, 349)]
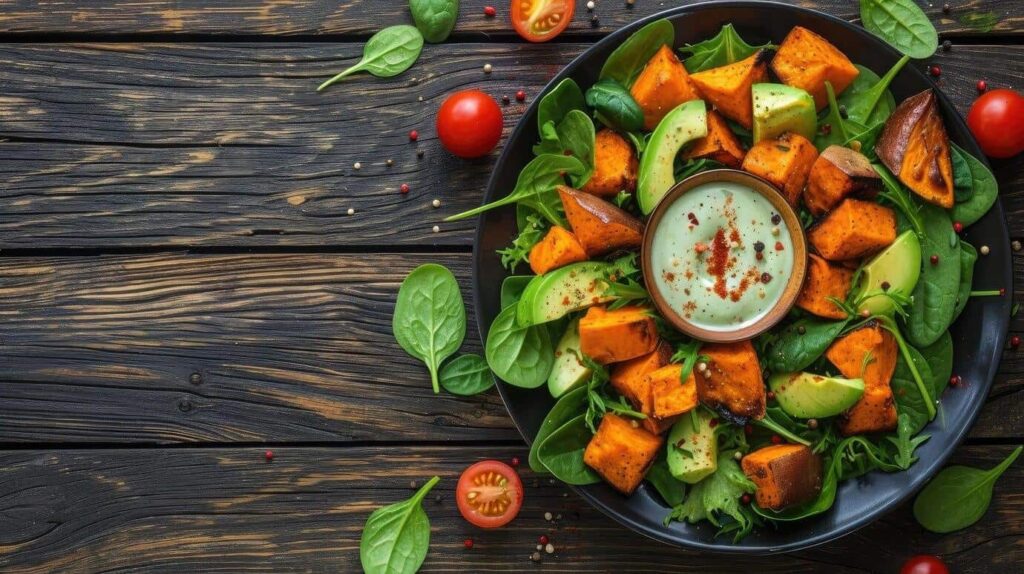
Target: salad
[(745, 432)]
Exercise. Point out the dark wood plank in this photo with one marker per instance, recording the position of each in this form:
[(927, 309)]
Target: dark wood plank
[(362, 17), (224, 510), (127, 145), (286, 348)]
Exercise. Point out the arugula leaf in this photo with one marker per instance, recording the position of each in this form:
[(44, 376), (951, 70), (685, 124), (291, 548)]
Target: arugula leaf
[(519, 251), (725, 48), (905, 443)]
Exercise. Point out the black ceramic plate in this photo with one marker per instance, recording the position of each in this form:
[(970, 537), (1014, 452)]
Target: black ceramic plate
[(978, 336)]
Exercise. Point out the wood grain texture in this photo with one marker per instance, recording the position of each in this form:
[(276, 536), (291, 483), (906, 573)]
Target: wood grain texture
[(286, 347), (222, 510), (130, 145), (363, 17)]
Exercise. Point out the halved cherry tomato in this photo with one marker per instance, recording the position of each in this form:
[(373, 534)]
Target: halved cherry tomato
[(924, 564), (489, 494), (541, 20)]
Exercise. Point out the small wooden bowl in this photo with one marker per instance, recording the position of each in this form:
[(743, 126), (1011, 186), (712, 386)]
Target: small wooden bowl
[(793, 283)]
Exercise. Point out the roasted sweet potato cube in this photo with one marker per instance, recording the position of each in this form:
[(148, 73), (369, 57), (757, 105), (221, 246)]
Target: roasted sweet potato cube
[(619, 335), (806, 60), (785, 162), (669, 397), (824, 280), (661, 86), (838, 173), (732, 380), (915, 147), (621, 452), (855, 229), (615, 165), (875, 412), (558, 249), (868, 353), (729, 87), (720, 144), (785, 475), (629, 378), (600, 226)]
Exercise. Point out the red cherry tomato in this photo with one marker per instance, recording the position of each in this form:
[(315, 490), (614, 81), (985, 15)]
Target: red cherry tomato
[(469, 123), (489, 494), (924, 564), (997, 121), (541, 20)]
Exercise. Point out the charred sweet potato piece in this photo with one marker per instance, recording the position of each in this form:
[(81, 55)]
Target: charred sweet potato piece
[(621, 453), (732, 380), (729, 87), (615, 165), (785, 162), (838, 173), (854, 229), (619, 335), (875, 412), (629, 378), (600, 226), (785, 475), (868, 353), (720, 144), (668, 397), (558, 248), (824, 280), (915, 147), (806, 60), (661, 86)]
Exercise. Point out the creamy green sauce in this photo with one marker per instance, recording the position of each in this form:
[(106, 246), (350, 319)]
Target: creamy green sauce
[(718, 258)]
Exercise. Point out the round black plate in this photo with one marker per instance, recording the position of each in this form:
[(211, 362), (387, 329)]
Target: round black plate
[(978, 336)]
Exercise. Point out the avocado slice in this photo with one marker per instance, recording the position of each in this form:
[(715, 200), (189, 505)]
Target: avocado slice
[(896, 270), (568, 371), (561, 291), (685, 123), (779, 108), (693, 447), (807, 395)]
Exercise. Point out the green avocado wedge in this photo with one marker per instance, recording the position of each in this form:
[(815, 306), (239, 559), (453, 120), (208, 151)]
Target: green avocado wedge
[(779, 108), (568, 370), (685, 123), (808, 396), (892, 273), (557, 293)]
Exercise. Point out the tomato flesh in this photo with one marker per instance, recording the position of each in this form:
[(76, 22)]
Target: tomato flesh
[(541, 20), (469, 123), (924, 564), (489, 494), (997, 121)]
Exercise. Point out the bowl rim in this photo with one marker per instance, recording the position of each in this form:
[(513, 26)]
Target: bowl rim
[(930, 467)]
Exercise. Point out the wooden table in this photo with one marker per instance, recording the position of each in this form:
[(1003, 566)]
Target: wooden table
[(181, 290)]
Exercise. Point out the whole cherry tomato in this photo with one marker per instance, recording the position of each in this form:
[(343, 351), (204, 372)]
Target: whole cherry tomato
[(469, 123), (924, 564), (997, 121), (489, 494), (541, 20)]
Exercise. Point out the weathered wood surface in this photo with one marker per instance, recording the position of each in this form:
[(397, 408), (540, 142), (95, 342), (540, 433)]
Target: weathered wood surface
[(130, 145), (363, 17), (286, 348), (225, 510)]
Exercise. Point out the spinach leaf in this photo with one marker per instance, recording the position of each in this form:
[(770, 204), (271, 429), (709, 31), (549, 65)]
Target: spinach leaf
[(717, 497), (576, 139), (430, 318), (963, 182), (902, 24), (629, 59), (535, 187), (934, 296), (909, 401), (561, 453), (958, 496), (512, 289), (968, 255), (725, 48), (466, 375), (615, 106), (435, 19), (832, 128), (561, 100), (570, 406), (530, 234), (520, 356), (387, 53), (396, 538), (671, 490), (939, 356), (986, 191), (868, 100), (793, 351)]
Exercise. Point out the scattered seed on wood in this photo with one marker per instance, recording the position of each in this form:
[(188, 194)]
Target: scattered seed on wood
[(357, 165), (437, 229), (351, 211), (1015, 245), (436, 203), (984, 250), (487, 68), (547, 516), (549, 548)]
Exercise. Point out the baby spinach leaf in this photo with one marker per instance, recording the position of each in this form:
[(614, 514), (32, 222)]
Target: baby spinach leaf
[(939, 356), (958, 496), (466, 375), (512, 289), (570, 406), (561, 100), (671, 490), (986, 191), (832, 128), (396, 538), (902, 24), (387, 53), (968, 255), (629, 59), (430, 318), (576, 138), (868, 100), (725, 48), (614, 106), (794, 350), (934, 296), (435, 19), (717, 497), (520, 356), (561, 453), (963, 182), (909, 401)]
